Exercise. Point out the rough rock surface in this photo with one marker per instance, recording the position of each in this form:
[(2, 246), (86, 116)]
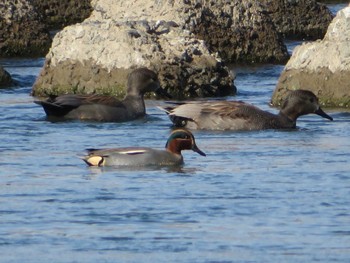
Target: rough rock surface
[(60, 13), (322, 66), (5, 78), (333, 1), (239, 31), (299, 19), (181, 40), (22, 32), (96, 57)]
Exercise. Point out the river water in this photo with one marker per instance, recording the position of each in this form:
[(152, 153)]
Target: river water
[(262, 196)]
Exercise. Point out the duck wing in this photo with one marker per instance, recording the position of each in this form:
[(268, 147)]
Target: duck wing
[(131, 156), (62, 105), (216, 115), (125, 151)]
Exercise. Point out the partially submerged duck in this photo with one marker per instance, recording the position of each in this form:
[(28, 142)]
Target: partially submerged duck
[(238, 115), (179, 140), (106, 108)]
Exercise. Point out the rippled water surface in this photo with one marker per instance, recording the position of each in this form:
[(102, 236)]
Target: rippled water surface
[(265, 196)]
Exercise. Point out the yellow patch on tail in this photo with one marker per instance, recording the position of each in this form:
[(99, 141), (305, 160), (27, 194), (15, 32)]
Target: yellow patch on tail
[(95, 161)]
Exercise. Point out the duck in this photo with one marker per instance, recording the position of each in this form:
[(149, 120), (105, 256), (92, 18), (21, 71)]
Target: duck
[(93, 107), (179, 140), (241, 116)]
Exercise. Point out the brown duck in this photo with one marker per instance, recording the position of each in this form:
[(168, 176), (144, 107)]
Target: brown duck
[(237, 115)]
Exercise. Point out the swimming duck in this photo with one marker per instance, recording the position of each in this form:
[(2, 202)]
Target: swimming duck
[(179, 139), (237, 115), (106, 108)]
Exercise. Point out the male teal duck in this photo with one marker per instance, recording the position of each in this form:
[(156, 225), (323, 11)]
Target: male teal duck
[(237, 115), (179, 139), (106, 108)]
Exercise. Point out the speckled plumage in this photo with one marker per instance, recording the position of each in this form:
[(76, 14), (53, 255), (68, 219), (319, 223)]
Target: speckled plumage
[(237, 115)]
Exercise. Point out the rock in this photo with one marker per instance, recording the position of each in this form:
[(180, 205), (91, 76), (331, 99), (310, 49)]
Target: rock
[(95, 57), (5, 78), (60, 13), (321, 66), (333, 1), (240, 31), (299, 19), (22, 32), (183, 41)]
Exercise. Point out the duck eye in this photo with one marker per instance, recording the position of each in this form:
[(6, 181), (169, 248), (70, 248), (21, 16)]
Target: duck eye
[(312, 100)]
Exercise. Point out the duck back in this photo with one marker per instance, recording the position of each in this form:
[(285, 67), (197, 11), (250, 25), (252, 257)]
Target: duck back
[(226, 115), (134, 157)]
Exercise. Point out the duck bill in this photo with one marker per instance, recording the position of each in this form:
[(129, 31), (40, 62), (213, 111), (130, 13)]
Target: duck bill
[(197, 150), (162, 92), (321, 113)]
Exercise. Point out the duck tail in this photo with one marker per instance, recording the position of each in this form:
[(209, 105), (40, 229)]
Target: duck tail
[(94, 160), (53, 109)]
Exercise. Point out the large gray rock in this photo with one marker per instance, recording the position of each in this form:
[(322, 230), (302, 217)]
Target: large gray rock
[(299, 19), (175, 38), (240, 31), (22, 32), (95, 57), (5, 78), (322, 66)]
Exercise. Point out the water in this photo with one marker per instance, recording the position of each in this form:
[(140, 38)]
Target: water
[(334, 8), (264, 196)]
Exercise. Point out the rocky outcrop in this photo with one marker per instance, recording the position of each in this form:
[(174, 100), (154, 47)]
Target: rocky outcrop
[(95, 58), (299, 19), (333, 1), (60, 13), (22, 32), (322, 66), (183, 41), (239, 31), (5, 78)]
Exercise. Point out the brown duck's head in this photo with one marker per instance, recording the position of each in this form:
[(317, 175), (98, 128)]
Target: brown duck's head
[(182, 139), (142, 80), (302, 102)]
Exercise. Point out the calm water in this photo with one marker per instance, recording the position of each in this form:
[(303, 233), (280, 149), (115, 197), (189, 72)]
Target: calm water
[(268, 196)]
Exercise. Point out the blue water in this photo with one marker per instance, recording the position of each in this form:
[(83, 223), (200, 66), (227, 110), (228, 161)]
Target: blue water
[(265, 196)]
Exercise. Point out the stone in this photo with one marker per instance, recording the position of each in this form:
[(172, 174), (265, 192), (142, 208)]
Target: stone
[(60, 13), (186, 42), (321, 66), (5, 78), (94, 57), (22, 32), (240, 31), (299, 19)]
